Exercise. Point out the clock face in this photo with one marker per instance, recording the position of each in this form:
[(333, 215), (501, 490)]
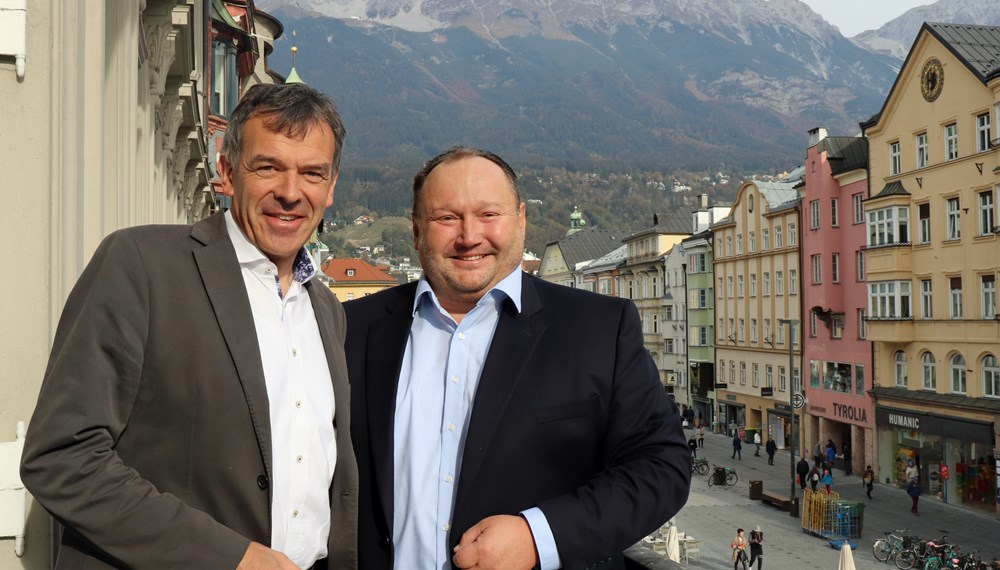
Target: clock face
[(931, 80)]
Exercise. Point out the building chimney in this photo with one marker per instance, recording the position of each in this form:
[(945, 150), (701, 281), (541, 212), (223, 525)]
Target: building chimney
[(704, 201), (816, 135)]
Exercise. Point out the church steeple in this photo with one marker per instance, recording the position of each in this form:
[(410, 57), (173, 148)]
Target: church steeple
[(293, 76), (576, 221)]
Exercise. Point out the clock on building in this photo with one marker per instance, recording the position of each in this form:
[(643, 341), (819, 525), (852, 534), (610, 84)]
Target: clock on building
[(931, 79)]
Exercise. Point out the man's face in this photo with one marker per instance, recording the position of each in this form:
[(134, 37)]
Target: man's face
[(281, 187), (468, 230)]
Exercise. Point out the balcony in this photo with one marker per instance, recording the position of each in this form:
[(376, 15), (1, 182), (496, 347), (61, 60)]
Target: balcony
[(889, 262), (890, 330)]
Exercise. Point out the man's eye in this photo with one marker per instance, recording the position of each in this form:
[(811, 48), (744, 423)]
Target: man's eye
[(266, 171), (314, 177), (447, 219)]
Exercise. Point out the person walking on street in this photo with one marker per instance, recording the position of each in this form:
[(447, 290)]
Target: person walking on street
[(831, 452), (814, 477), (802, 468), (737, 447), (911, 471), (739, 546), (756, 441), (693, 446), (913, 490), (868, 480), (756, 547), (771, 448), (701, 436), (827, 480)]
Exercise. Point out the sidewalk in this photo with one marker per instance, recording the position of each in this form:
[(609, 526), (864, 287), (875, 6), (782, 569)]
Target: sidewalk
[(714, 513)]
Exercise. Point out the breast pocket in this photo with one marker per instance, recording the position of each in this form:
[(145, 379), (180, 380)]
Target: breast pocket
[(567, 411)]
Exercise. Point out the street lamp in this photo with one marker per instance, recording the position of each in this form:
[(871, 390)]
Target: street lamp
[(791, 395)]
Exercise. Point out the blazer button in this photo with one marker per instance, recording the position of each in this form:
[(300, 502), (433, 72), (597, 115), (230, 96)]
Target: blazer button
[(262, 481)]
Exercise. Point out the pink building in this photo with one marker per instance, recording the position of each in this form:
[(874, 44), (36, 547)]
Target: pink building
[(835, 353)]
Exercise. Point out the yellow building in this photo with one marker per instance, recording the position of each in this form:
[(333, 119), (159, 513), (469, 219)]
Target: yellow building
[(756, 266), (931, 259), (352, 278)]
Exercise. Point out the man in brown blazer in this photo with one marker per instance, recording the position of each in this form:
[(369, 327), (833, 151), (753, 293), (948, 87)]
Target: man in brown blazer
[(195, 410)]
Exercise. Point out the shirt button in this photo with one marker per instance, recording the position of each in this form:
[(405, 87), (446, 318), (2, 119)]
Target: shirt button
[(268, 270), (448, 478), (298, 458), (446, 527), (454, 379), (262, 481), (295, 352), (451, 427), (461, 336), (295, 514), (298, 403)]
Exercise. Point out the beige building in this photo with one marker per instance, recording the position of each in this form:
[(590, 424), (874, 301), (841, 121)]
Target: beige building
[(932, 259), (756, 267), (353, 278), (105, 109)]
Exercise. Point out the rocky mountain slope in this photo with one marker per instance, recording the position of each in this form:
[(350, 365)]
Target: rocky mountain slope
[(896, 36)]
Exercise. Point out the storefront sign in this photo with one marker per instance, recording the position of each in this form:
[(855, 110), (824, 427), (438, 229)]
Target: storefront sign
[(904, 421), (720, 385), (927, 424), (782, 407), (854, 413), (731, 397), (766, 392)]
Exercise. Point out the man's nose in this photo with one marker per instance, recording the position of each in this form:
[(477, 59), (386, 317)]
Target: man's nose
[(470, 230), (288, 188)]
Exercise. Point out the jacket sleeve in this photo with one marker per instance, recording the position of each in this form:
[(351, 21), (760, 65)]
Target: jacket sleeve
[(70, 464), (646, 473)]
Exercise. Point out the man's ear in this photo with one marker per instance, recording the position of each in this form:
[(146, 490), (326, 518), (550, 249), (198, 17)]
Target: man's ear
[(226, 175)]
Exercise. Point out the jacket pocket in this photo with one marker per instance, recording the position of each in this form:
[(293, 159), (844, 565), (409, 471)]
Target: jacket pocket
[(566, 411)]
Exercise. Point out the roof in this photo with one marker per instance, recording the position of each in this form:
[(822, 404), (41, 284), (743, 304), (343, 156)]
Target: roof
[(894, 188), (777, 193), (609, 260), (356, 271), (845, 153), (587, 244), (678, 222), (978, 47), (925, 396)]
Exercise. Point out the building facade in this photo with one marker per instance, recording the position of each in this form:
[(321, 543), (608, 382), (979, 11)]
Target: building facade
[(756, 265), (932, 257), (836, 353), (353, 278)]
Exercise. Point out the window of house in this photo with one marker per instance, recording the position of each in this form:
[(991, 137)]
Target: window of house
[(729, 245), (955, 297), (859, 208), (779, 283), (793, 282), (922, 155), (781, 334), (743, 373), (729, 286), (756, 375), (739, 244), (753, 330), (668, 346), (812, 323), (765, 239), (749, 202), (350, 273), (862, 325), (796, 380), (656, 324), (837, 326), (732, 372), (225, 79), (739, 286), (792, 236), (721, 329), (782, 382), (958, 379), (722, 371), (926, 299), (814, 214), (767, 332), (753, 284), (769, 375), (894, 162), (753, 242), (817, 266), (697, 263), (924, 215), (928, 371), (777, 236), (350, 296), (859, 261), (983, 132), (668, 312), (887, 226), (889, 300), (835, 267), (742, 330), (834, 212), (732, 330), (954, 221), (703, 336), (987, 216), (951, 141), (988, 295), (991, 376), (899, 368), (767, 284)]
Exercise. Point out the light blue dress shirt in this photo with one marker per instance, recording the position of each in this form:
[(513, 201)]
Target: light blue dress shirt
[(437, 386)]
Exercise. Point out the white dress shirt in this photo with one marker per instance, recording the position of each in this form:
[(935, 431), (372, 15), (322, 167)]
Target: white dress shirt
[(300, 402)]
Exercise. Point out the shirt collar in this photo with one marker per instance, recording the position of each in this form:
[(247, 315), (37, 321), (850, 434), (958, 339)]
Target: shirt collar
[(509, 286), (247, 254)]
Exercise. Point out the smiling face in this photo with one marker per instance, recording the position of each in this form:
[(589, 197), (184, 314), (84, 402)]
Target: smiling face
[(468, 228), (280, 187)]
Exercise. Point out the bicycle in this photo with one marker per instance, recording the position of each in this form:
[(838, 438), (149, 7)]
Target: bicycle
[(886, 549), (916, 553), (730, 475), (699, 466)]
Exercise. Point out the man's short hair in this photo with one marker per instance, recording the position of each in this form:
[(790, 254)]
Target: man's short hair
[(457, 153), (291, 109)]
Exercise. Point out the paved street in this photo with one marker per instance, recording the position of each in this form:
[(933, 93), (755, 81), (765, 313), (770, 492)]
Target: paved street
[(712, 514)]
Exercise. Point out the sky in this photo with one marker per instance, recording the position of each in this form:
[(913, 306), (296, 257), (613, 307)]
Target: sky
[(856, 16)]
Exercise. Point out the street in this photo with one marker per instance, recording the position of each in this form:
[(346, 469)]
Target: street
[(712, 514)]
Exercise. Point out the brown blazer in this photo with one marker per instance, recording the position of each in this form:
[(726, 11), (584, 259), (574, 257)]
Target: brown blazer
[(151, 441)]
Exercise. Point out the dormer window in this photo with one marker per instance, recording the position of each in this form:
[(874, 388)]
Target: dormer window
[(350, 273)]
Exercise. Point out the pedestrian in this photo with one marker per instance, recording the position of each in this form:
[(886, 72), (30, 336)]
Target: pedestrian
[(693, 446), (868, 480), (911, 471), (757, 547), (846, 453), (756, 441), (771, 448), (701, 436), (831, 451), (737, 447), (818, 452), (814, 475), (913, 490), (827, 480), (739, 546), (802, 469)]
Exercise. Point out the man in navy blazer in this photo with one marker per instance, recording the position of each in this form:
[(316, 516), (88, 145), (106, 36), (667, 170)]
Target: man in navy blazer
[(501, 421)]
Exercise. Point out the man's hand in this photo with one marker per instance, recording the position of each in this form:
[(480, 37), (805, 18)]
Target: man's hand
[(501, 541), (260, 557)]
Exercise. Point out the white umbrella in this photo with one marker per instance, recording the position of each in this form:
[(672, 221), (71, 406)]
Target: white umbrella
[(673, 546), (846, 557)]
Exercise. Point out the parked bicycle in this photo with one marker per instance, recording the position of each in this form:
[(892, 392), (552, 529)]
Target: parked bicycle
[(699, 466), (727, 474), (916, 553), (895, 543)]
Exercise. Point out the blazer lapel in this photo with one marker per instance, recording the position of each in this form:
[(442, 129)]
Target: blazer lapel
[(514, 342), (223, 280), (385, 345)]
